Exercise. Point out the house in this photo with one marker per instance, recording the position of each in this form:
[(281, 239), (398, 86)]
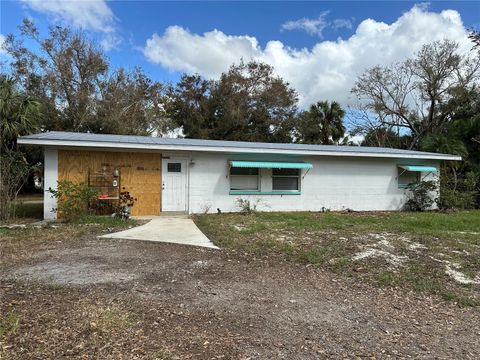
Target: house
[(196, 176)]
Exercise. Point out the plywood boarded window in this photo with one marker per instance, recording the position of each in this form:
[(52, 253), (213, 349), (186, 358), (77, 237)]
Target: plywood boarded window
[(141, 173)]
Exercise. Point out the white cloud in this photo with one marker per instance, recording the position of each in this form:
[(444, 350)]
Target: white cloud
[(94, 15), (342, 23), (110, 41), (316, 26), (326, 71), (310, 26), (208, 54)]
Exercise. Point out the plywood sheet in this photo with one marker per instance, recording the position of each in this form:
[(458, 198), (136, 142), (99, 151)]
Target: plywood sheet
[(140, 173)]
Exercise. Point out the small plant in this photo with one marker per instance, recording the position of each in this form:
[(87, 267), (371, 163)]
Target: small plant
[(206, 209), (246, 206), (421, 196), (73, 200)]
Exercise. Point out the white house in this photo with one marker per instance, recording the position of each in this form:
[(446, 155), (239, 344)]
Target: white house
[(195, 176)]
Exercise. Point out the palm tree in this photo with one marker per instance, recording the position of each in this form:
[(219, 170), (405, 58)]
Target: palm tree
[(19, 113), (321, 124)]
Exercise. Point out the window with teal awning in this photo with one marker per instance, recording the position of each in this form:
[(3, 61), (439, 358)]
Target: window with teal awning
[(418, 168), (270, 164), (410, 174)]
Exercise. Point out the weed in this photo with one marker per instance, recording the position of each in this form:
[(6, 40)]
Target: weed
[(247, 207), (462, 300), (9, 324), (164, 354)]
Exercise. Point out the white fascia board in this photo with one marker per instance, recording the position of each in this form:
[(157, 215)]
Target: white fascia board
[(225, 149)]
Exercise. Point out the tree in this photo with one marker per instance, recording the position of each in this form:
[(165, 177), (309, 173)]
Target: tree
[(247, 103), (413, 96), (19, 115), (475, 37), (459, 180), (191, 106), (70, 76), (130, 103), (321, 124), (385, 137)]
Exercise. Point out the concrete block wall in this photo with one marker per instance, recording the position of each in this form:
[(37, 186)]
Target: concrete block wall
[(334, 183)]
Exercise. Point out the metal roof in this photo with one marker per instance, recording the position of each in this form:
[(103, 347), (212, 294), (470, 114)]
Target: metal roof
[(58, 138)]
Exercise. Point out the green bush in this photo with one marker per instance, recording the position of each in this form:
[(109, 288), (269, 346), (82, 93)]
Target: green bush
[(421, 196), (73, 200), (459, 193)]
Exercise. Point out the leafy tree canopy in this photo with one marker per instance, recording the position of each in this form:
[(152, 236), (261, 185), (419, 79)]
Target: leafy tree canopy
[(418, 95), (69, 76), (247, 103)]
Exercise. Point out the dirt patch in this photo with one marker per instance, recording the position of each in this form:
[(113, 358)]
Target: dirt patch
[(90, 298), (75, 273)]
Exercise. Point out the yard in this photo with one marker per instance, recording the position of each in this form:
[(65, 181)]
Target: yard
[(284, 285)]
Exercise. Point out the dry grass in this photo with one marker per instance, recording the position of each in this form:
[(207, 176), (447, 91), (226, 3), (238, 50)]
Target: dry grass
[(433, 253)]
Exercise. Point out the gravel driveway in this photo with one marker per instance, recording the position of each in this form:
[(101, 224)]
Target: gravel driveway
[(121, 299)]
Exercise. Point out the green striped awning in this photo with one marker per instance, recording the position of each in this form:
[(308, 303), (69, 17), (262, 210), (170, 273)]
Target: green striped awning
[(270, 164), (418, 168)]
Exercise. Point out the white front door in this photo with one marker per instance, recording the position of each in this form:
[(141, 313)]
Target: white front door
[(174, 184)]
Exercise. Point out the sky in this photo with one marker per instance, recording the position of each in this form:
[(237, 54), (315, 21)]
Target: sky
[(320, 48)]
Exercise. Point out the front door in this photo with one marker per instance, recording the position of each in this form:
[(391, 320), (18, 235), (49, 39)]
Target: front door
[(174, 185)]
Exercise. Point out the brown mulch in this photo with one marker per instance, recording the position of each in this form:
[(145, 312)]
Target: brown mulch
[(87, 298)]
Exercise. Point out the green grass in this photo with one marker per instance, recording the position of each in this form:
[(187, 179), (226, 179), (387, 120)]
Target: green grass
[(330, 240), (427, 223), (9, 324), (29, 210)]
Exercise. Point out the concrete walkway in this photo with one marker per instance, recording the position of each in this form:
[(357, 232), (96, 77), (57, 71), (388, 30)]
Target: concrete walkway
[(177, 230)]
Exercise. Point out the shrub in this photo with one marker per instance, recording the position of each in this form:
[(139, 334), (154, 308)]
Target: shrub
[(421, 196), (460, 193), (73, 200)]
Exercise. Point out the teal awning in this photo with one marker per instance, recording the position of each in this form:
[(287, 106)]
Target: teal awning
[(271, 164), (418, 168)]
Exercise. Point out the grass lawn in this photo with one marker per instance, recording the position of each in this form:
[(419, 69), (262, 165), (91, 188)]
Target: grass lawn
[(430, 252)]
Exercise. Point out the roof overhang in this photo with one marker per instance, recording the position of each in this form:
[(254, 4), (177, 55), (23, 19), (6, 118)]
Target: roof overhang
[(224, 149)]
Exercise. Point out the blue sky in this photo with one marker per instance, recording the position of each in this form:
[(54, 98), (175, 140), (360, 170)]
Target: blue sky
[(319, 47)]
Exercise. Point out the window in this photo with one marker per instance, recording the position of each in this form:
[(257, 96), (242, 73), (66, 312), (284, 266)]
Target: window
[(406, 178), (174, 167), (244, 179), (286, 179)]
